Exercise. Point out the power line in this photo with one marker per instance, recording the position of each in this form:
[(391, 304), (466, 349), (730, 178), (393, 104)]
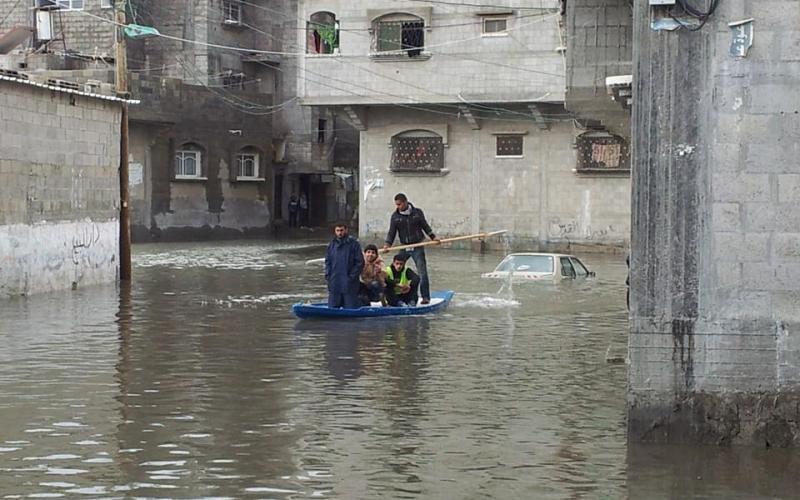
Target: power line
[(469, 4), (328, 77)]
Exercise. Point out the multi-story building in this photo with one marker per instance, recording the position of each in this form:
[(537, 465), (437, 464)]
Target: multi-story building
[(461, 106), (219, 142)]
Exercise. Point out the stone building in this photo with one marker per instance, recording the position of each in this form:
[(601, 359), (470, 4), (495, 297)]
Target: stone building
[(462, 108), (59, 195), (219, 142)]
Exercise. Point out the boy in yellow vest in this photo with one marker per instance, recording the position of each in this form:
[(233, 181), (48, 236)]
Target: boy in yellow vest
[(401, 282)]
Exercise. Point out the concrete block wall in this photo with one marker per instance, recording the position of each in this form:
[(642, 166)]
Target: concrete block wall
[(599, 36), (538, 198), (524, 65), (714, 352), (59, 199)]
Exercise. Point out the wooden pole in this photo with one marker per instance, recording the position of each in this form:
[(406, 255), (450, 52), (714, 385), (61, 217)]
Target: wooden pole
[(444, 240), (428, 243), (121, 67)]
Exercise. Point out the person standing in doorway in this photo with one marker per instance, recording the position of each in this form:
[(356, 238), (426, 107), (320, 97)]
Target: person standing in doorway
[(293, 207), (343, 265), (303, 210), (409, 223)]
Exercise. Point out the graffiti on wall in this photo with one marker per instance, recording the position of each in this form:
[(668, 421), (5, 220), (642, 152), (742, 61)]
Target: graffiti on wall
[(573, 230)]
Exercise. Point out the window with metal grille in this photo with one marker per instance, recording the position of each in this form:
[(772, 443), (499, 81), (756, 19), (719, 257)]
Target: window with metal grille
[(187, 164), (417, 152), (401, 35), (494, 26), (247, 166), (231, 12), (601, 151), (509, 145)]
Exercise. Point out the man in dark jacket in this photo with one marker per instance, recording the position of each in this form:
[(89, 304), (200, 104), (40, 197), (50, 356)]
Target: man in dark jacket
[(401, 282), (409, 223), (343, 264)]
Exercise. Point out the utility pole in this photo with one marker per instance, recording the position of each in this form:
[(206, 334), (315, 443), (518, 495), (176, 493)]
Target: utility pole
[(121, 66)]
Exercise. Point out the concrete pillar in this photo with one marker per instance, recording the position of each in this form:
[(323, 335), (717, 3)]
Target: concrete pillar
[(715, 271)]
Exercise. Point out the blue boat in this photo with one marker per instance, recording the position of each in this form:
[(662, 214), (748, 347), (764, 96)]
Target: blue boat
[(439, 301)]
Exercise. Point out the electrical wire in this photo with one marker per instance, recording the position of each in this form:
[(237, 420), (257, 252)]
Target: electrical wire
[(392, 102), (694, 13), (469, 4)]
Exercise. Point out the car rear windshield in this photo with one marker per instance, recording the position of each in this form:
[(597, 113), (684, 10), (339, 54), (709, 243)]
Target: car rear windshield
[(526, 264)]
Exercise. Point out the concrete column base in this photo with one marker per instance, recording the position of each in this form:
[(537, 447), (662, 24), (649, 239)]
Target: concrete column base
[(767, 419)]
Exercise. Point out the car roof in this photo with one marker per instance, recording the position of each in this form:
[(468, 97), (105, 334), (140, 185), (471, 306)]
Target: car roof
[(541, 254)]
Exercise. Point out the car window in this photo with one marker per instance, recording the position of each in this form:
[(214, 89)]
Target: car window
[(526, 264), (566, 268), (580, 269)]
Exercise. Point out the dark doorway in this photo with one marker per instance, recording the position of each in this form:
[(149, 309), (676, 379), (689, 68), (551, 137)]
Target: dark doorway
[(278, 196), (319, 204)]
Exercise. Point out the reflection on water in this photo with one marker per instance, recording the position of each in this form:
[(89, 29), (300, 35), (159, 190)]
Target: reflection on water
[(195, 382)]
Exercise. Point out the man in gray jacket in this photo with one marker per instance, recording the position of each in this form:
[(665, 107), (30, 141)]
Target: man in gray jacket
[(409, 223)]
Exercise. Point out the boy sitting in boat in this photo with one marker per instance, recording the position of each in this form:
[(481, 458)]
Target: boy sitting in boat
[(373, 277), (401, 282)]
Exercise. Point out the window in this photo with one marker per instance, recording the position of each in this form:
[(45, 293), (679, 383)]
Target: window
[(495, 26), (70, 4), (509, 146), (399, 32), (321, 124), (322, 32), (566, 268), (600, 151), (580, 269), (247, 165), (417, 150), (188, 162), (106, 4), (231, 12)]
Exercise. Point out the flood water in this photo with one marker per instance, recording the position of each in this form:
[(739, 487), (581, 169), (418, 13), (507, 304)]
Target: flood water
[(196, 382)]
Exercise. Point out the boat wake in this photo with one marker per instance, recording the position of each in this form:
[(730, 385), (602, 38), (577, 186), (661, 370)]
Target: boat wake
[(484, 302), (254, 301)]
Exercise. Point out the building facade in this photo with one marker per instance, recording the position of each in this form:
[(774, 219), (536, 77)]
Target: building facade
[(59, 195), (462, 108), (219, 143)]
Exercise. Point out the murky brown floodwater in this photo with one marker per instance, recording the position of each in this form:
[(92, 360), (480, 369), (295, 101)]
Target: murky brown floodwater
[(197, 383)]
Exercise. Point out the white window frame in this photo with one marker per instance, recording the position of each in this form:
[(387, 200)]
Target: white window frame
[(228, 8), (198, 156), (71, 4), (497, 139), (240, 158), (106, 4), (494, 33)]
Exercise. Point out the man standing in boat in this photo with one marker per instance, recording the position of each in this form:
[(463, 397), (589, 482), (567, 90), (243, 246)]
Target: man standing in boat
[(343, 265), (409, 223)]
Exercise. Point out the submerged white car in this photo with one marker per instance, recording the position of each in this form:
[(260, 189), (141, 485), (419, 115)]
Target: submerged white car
[(539, 266)]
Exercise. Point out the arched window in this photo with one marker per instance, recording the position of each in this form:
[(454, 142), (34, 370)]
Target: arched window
[(189, 161), (248, 164), (322, 33), (417, 150), (399, 32), (600, 151)]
